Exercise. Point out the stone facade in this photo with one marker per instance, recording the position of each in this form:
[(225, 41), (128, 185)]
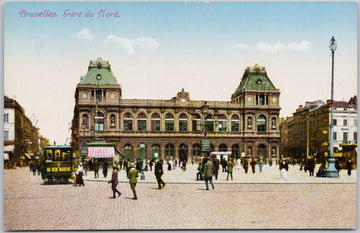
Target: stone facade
[(307, 131), (246, 125), (21, 137)]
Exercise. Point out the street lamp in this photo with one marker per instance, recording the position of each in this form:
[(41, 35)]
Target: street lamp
[(98, 78), (331, 171)]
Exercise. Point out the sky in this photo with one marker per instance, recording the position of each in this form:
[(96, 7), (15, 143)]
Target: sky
[(157, 48)]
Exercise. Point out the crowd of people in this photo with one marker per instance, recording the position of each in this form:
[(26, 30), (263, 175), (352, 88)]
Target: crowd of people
[(207, 169)]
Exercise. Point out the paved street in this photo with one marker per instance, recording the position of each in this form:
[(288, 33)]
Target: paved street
[(250, 201)]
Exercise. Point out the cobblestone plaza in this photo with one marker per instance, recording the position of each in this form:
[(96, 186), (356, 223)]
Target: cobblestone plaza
[(250, 201)]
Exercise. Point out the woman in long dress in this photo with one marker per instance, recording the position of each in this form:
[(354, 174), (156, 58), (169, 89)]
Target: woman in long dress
[(79, 175)]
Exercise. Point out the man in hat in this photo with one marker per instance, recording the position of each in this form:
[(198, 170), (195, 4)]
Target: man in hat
[(114, 181), (132, 175), (159, 172)]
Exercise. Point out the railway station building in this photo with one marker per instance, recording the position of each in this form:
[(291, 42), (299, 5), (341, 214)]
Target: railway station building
[(246, 125)]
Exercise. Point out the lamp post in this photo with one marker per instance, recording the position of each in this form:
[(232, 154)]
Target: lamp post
[(98, 78), (331, 171)]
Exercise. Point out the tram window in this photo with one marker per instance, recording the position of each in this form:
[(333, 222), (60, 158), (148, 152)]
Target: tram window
[(57, 155), (67, 155), (49, 154)]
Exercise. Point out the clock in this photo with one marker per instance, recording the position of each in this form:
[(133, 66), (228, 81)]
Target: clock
[(259, 81), (84, 95), (183, 100)]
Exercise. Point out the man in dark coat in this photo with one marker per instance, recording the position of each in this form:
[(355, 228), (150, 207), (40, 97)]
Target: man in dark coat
[(114, 182), (105, 168), (223, 164), (349, 165), (253, 163), (158, 173), (311, 166), (216, 164), (246, 165)]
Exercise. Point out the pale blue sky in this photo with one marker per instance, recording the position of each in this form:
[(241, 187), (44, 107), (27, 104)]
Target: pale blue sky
[(202, 47)]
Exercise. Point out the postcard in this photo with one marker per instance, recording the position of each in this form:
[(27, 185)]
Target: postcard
[(180, 115)]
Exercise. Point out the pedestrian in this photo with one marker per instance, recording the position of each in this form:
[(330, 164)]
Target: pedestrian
[(208, 173), (230, 166), (261, 162), (270, 162), (105, 168), (79, 175), (223, 165), (283, 167), (114, 182), (96, 169), (252, 164), (158, 173), (246, 165), (121, 164), (322, 171), (337, 164), (216, 163), (132, 175), (311, 166), (349, 165), (33, 168), (199, 175), (169, 165), (151, 164), (238, 163)]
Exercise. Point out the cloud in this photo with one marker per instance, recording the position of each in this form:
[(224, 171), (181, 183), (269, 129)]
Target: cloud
[(243, 46), (130, 46), (277, 47), (84, 34)]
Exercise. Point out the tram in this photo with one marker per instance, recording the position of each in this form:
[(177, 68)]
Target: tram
[(58, 163)]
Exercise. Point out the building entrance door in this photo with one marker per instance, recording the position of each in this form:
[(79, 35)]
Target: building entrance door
[(183, 152), (261, 151)]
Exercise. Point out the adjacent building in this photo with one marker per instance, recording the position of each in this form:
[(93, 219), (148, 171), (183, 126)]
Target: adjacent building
[(21, 137), (307, 131), (246, 125)]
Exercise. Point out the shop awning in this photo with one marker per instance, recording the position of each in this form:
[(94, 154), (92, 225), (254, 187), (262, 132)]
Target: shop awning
[(101, 152)]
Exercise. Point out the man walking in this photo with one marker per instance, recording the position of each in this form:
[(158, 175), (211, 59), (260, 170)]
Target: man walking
[(158, 173), (216, 163), (208, 174), (230, 166), (114, 182), (132, 175)]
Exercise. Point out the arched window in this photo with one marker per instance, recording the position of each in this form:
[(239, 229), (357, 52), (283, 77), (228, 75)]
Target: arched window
[(222, 123), (169, 122), (209, 123), (183, 152), (261, 123), (155, 152), (99, 121), (235, 149), (141, 152), (273, 123), (128, 122), (155, 122), (141, 120), (169, 151), (183, 122), (84, 122), (112, 121), (128, 152), (235, 123), (249, 122), (196, 150), (196, 123), (222, 148)]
